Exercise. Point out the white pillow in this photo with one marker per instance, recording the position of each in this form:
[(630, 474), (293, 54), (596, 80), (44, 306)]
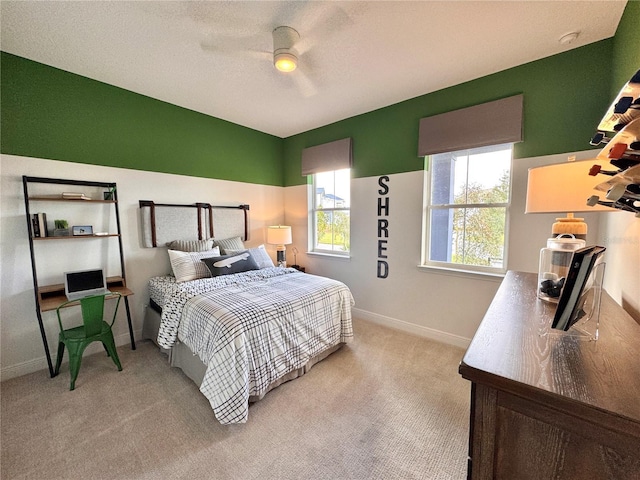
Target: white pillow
[(189, 266), (259, 254)]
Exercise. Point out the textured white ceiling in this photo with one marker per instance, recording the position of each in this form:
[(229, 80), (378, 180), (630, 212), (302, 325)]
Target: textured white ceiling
[(214, 57)]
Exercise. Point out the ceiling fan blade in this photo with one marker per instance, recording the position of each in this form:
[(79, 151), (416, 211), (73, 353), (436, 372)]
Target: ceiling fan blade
[(304, 84), (260, 54), (325, 21), (303, 45), (215, 42)]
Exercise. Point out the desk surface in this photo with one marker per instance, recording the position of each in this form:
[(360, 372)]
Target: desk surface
[(52, 296), (508, 352)]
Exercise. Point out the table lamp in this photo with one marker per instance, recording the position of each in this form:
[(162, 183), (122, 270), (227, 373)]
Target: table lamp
[(561, 188), (280, 235), (564, 188)]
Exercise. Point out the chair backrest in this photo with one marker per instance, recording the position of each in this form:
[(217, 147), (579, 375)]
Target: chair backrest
[(92, 314)]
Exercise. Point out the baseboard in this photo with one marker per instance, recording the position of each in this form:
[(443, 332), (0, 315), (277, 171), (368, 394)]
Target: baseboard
[(23, 368), (412, 328), (40, 363)]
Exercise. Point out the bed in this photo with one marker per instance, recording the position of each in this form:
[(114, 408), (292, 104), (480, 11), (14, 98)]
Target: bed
[(240, 334)]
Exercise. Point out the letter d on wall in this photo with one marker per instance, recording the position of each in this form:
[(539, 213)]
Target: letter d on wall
[(383, 269)]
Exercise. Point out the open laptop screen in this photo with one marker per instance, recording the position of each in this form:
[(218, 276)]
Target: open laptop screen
[(84, 283)]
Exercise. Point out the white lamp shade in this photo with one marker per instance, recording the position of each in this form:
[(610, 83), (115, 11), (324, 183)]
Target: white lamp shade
[(279, 235), (563, 187)]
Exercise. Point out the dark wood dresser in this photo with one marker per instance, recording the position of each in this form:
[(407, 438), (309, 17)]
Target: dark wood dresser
[(552, 407)]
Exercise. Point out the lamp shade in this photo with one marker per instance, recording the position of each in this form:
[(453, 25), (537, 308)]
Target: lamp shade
[(563, 187), (279, 235)]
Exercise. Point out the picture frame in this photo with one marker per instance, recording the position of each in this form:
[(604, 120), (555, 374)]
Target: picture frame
[(82, 230)]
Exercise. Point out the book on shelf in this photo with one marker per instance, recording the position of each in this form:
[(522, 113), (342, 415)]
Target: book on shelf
[(571, 301), (35, 226), (75, 196), (39, 222)]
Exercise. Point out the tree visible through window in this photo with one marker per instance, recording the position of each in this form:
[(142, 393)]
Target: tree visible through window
[(331, 211), (467, 203)]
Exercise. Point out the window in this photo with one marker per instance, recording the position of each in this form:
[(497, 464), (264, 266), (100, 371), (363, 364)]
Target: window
[(330, 212), (467, 196)]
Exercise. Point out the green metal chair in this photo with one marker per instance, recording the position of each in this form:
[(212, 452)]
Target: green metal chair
[(94, 329)]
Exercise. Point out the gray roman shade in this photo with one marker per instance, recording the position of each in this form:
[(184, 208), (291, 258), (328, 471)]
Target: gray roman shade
[(491, 123), (327, 157)]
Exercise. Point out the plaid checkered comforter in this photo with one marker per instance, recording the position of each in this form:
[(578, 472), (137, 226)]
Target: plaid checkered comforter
[(252, 328)]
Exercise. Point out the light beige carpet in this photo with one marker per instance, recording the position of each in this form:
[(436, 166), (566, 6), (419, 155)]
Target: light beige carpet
[(387, 406)]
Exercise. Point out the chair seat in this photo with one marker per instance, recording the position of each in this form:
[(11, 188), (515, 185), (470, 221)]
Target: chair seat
[(77, 334)]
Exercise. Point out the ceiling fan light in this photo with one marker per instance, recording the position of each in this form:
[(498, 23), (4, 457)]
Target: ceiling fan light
[(285, 62)]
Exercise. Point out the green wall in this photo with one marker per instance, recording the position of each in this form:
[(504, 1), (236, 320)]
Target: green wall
[(564, 97), (53, 114), (626, 51), (50, 113)]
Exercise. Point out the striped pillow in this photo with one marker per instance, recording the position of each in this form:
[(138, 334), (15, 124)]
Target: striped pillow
[(188, 265), (191, 245), (234, 243)]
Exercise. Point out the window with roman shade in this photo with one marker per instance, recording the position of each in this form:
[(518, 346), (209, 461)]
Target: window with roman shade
[(329, 165), (468, 155)]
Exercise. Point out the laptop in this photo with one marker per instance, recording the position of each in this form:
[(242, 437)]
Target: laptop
[(85, 283)]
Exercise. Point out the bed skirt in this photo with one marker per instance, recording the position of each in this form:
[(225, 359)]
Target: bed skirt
[(182, 357)]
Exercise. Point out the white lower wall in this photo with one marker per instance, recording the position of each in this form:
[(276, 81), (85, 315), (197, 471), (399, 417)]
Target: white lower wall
[(450, 304), (620, 232), (444, 306), (21, 345)]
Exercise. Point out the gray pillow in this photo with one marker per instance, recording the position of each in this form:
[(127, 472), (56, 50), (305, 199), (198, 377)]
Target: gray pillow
[(228, 264), (259, 254), (234, 243)]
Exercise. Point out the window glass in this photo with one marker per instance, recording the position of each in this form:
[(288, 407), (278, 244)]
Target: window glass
[(331, 211), (467, 204)]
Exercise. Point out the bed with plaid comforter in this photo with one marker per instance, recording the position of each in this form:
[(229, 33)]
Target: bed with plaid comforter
[(252, 328)]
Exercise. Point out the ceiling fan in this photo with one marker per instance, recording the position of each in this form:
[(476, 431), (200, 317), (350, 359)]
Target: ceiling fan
[(240, 29), (288, 54), (285, 57)]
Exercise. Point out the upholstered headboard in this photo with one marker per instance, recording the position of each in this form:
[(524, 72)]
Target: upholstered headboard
[(163, 222)]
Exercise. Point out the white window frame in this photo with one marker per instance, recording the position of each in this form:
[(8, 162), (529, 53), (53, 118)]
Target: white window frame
[(427, 218), (313, 208)]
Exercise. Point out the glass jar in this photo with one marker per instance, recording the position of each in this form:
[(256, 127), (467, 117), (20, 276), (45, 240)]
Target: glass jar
[(555, 260)]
